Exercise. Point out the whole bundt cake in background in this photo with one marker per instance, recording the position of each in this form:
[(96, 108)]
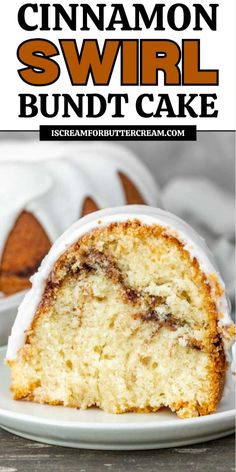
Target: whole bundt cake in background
[(128, 313), (44, 189)]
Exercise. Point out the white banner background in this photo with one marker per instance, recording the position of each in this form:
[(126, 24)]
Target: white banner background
[(217, 52)]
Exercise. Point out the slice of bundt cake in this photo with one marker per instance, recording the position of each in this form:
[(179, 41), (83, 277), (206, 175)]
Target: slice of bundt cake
[(127, 313)]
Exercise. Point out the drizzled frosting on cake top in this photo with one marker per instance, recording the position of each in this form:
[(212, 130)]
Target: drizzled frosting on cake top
[(52, 183), (192, 242)]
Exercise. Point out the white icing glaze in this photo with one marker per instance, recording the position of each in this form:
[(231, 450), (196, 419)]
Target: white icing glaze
[(147, 215), (52, 182)]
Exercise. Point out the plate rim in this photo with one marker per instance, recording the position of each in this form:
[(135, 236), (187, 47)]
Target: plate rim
[(215, 417)]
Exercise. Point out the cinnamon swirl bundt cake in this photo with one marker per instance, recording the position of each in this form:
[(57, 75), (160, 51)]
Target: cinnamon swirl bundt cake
[(40, 198), (127, 313)]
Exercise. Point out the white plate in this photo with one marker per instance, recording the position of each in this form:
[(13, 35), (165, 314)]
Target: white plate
[(94, 429), (8, 310)]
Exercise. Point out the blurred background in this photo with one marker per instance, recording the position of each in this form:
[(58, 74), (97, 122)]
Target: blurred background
[(212, 156)]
